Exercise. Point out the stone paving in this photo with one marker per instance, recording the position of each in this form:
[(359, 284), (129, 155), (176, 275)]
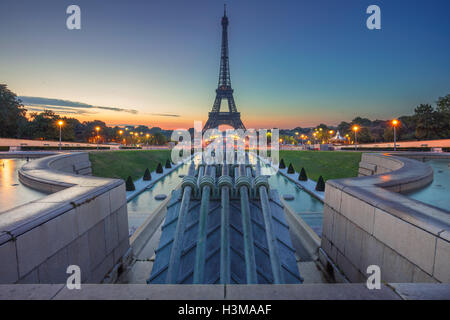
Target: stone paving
[(389, 291)]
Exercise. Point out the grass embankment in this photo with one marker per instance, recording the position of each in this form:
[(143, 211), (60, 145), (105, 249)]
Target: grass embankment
[(328, 164), (121, 164)]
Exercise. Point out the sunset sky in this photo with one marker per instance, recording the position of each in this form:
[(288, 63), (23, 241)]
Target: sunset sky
[(293, 63)]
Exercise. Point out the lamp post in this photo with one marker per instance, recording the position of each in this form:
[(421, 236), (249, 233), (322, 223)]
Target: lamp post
[(120, 138), (60, 123), (394, 124), (356, 128), (97, 129)]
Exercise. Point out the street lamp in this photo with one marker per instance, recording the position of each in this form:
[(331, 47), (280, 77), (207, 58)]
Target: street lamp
[(395, 123), (60, 123), (147, 136), (120, 137), (97, 129), (356, 128)]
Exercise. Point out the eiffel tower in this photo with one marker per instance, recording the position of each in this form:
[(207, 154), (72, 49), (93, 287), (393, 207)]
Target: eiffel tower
[(224, 91)]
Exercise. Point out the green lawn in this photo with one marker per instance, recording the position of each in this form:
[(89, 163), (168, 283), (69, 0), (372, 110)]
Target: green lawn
[(121, 164), (328, 164)]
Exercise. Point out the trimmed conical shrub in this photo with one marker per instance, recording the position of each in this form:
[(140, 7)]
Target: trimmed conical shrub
[(320, 186), (129, 185), (282, 165), (302, 176), (291, 168), (147, 175), (168, 165), (159, 168)]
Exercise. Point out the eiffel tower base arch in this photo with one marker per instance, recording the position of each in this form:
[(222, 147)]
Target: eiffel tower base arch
[(215, 119)]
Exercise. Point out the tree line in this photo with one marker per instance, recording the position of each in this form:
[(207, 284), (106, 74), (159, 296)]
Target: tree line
[(427, 123), (16, 123)]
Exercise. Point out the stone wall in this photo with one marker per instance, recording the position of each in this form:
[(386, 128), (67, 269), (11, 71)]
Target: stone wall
[(368, 222), (83, 222)]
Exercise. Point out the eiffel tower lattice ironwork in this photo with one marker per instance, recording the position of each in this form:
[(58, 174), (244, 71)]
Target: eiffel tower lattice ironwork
[(224, 91)]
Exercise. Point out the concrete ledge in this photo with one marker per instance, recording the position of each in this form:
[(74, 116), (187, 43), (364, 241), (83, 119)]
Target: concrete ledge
[(227, 292), (83, 222), (305, 241), (144, 233), (26, 154), (368, 221)]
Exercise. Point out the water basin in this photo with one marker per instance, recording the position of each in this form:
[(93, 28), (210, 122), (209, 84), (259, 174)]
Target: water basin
[(12, 192), (438, 192)]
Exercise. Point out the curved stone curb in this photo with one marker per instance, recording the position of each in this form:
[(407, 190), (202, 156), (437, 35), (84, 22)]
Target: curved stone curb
[(367, 221), (83, 222)]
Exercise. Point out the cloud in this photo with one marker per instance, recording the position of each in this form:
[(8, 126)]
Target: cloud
[(60, 110), (67, 105), (40, 104), (165, 115)]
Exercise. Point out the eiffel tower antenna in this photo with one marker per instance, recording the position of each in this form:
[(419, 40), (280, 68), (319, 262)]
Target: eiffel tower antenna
[(224, 91)]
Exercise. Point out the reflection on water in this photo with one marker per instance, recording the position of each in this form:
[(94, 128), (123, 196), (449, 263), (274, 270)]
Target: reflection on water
[(141, 206), (12, 192), (437, 193), (306, 206)]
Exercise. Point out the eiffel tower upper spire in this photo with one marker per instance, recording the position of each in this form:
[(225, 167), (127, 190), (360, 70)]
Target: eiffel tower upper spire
[(224, 74)]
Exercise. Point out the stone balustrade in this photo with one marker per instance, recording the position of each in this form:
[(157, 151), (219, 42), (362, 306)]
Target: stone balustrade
[(367, 221), (82, 222)]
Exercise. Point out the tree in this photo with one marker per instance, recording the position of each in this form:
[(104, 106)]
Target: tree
[(388, 134), (302, 176), (443, 116), (129, 184), (12, 113), (343, 127), (147, 175), (363, 122), (320, 186), (408, 128), (159, 138), (291, 168), (443, 104), (43, 126), (425, 121), (363, 135)]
